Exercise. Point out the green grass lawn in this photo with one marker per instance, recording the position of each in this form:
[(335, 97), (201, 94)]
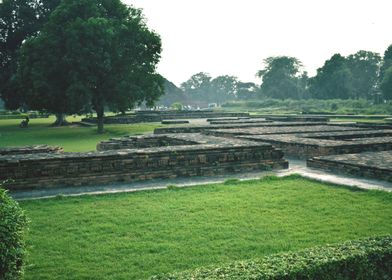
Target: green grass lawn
[(136, 235), (71, 138)]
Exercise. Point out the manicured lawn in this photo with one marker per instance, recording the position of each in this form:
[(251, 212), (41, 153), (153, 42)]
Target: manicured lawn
[(71, 138), (136, 235)]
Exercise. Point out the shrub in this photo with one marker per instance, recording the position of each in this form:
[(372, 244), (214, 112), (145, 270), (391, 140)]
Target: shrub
[(177, 106), (13, 223), (363, 259)]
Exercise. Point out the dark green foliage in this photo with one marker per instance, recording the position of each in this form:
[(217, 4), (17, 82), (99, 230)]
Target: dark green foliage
[(202, 89), (246, 91), (223, 88), (333, 80), (282, 78), (364, 67), (172, 94), (91, 55), (20, 19), (386, 63), (386, 84), (13, 223), (364, 259), (197, 87)]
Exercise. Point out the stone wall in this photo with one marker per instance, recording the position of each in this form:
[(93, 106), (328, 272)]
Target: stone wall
[(304, 148), (30, 150), (204, 128), (140, 142), (211, 156), (298, 118), (376, 165), (158, 116)]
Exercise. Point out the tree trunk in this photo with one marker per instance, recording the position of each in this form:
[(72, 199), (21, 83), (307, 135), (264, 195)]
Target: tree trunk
[(100, 118), (60, 120)]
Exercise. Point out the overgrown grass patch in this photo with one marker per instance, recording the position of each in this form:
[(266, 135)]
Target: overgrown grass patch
[(71, 138), (136, 235)]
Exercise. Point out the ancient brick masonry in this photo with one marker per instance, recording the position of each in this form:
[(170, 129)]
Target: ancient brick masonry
[(198, 155), (30, 150), (158, 116), (376, 165)]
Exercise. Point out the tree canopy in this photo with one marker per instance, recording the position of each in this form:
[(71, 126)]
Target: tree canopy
[(364, 67), (281, 77), (19, 20), (333, 80), (91, 54), (386, 84)]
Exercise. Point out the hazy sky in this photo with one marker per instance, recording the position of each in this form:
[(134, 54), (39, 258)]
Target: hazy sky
[(233, 36)]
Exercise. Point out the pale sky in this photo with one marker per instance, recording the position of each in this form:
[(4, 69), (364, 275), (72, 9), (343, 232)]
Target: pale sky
[(232, 37)]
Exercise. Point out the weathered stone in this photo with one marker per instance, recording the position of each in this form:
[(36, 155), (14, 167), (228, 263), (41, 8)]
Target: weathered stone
[(30, 150), (204, 128), (376, 165), (196, 155), (174, 121), (158, 116)]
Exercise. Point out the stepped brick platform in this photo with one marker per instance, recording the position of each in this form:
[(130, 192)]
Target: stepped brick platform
[(174, 121), (158, 116), (30, 150), (309, 141), (240, 121), (279, 129), (297, 118), (203, 128), (195, 155), (228, 119), (375, 165)]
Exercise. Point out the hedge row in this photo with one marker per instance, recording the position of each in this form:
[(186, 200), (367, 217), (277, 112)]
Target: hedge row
[(13, 223), (363, 259)]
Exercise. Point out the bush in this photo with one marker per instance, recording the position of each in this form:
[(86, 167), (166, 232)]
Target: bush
[(176, 106), (13, 223), (364, 259)]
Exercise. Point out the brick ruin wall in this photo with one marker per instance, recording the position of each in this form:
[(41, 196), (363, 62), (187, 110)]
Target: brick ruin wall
[(23, 150), (375, 165), (98, 168), (158, 116)]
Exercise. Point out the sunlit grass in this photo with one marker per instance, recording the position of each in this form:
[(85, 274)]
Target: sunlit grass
[(136, 235), (71, 138)]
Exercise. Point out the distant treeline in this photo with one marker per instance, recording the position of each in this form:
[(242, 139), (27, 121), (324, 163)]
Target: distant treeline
[(363, 75)]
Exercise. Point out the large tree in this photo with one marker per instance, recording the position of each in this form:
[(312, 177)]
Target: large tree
[(198, 86), (91, 54), (386, 84), (172, 94), (364, 67), (386, 62), (246, 91), (281, 77), (333, 80), (19, 20), (223, 88)]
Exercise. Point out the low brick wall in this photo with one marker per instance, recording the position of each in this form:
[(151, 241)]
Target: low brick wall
[(140, 142), (299, 118), (374, 165), (307, 145), (158, 116), (241, 121), (174, 121), (204, 128), (211, 156), (30, 150)]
